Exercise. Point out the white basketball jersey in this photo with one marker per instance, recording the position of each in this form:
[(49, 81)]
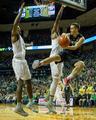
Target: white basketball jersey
[(19, 48), (55, 47)]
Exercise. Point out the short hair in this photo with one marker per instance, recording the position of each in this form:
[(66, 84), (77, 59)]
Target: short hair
[(77, 25)]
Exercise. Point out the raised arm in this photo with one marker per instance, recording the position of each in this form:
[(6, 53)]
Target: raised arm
[(57, 21), (15, 28), (17, 19), (37, 2), (28, 44)]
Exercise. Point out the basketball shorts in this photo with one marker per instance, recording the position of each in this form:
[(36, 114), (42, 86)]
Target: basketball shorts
[(21, 69), (56, 70), (69, 57)]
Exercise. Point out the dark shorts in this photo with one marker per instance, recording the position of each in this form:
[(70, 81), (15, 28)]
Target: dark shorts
[(70, 57)]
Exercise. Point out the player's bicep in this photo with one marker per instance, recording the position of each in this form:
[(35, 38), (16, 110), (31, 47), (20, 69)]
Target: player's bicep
[(53, 29), (14, 30), (14, 34), (14, 38), (80, 42)]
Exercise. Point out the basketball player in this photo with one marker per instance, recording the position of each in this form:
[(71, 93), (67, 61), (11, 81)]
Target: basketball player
[(56, 69), (70, 54), (19, 64)]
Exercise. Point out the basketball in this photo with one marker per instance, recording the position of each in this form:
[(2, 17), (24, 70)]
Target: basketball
[(64, 41), (52, 1)]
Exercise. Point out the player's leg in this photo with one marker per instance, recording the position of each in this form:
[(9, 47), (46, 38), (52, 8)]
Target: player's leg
[(53, 86), (75, 72), (19, 109), (30, 104), (62, 56), (59, 95), (17, 67), (27, 78), (51, 95), (29, 88), (56, 72), (29, 91), (67, 99), (19, 92), (54, 58), (55, 79)]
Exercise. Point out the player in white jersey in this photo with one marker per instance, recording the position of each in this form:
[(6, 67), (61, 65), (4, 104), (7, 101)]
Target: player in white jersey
[(56, 69), (19, 64)]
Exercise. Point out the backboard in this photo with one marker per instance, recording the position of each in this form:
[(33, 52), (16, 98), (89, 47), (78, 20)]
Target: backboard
[(76, 4)]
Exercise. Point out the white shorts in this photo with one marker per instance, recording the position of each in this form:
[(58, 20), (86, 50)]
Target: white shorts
[(56, 70), (21, 69)]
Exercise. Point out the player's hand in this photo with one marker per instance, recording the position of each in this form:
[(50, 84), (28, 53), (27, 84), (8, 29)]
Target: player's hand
[(71, 48), (64, 5), (24, 1), (36, 64), (22, 4), (66, 47), (31, 43)]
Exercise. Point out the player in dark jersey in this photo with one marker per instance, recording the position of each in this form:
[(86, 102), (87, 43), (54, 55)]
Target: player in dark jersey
[(70, 54)]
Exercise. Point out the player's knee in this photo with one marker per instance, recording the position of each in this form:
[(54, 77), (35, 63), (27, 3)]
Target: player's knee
[(56, 79), (57, 58), (28, 82), (19, 85), (80, 64), (55, 75)]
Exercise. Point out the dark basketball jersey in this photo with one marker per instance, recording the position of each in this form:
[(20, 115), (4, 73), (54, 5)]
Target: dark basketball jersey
[(73, 39), (71, 56)]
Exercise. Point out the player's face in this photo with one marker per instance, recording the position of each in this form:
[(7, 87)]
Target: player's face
[(73, 30), (19, 30)]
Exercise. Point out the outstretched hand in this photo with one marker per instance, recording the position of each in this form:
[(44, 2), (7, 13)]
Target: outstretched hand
[(23, 3), (36, 64)]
